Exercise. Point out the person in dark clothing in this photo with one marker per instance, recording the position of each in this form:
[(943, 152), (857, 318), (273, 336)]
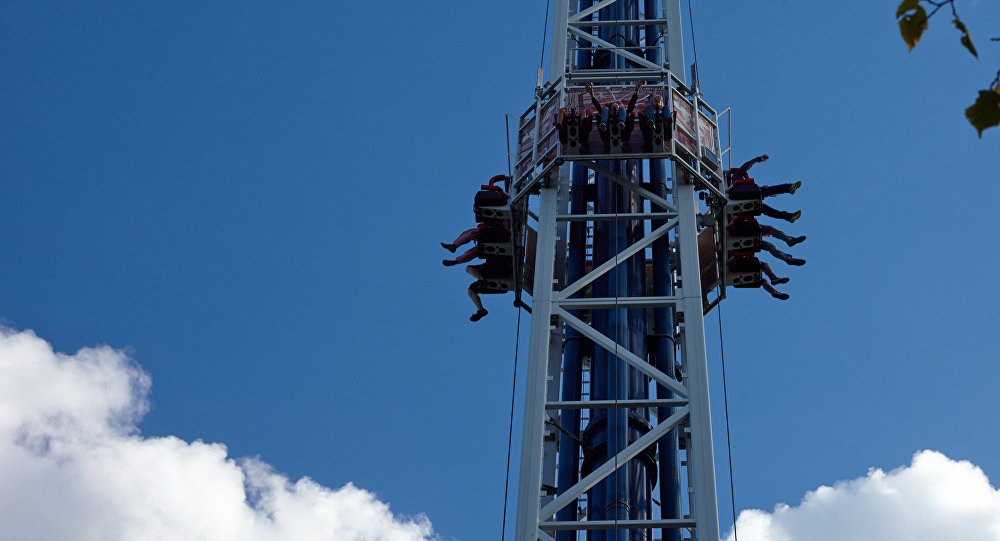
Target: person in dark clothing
[(654, 117), (748, 262), (787, 258), (485, 232), (493, 267), (741, 177), (743, 170), (612, 111), (748, 226), (742, 187), (564, 115), (772, 212)]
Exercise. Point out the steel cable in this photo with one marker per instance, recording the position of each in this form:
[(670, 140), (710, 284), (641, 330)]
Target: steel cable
[(729, 449), (510, 430)]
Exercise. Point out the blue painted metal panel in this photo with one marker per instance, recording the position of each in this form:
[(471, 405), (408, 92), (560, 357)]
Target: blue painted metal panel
[(628, 493), (662, 345)]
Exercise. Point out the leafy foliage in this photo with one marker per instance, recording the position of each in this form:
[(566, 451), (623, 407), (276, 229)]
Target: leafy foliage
[(912, 17), (912, 22), (985, 112), (966, 39)]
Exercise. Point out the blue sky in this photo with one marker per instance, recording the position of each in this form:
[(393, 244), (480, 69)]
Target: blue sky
[(248, 197)]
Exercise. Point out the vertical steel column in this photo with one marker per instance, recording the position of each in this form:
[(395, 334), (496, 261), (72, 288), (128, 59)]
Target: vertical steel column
[(619, 496), (529, 480), (701, 461), (557, 68), (544, 345), (700, 454), (575, 346)]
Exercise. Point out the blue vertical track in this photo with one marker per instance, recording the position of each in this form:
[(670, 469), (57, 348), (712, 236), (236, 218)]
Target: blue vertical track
[(606, 432), (575, 346), (662, 344), (626, 494)]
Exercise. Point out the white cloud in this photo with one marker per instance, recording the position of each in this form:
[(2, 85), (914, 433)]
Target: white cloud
[(933, 499), (73, 467)]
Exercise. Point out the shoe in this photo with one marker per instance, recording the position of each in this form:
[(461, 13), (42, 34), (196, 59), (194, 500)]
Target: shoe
[(796, 240), (777, 281), (450, 247), (448, 262), (796, 216), (602, 127), (796, 262), (780, 296), (795, 186), (478, 315)]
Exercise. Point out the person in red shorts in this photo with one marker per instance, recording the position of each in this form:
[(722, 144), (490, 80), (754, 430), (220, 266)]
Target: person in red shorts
[(493, 267)]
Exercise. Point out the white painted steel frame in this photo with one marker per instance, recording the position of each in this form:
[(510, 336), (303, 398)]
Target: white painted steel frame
[(551, 179)]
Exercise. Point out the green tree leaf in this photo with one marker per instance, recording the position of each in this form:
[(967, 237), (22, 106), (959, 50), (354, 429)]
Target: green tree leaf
[(966, 39), (985, 113), (906, 5), (912, 25)]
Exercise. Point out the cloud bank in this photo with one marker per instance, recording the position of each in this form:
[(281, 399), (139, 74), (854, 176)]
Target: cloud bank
[(933, 499), (73, 466)]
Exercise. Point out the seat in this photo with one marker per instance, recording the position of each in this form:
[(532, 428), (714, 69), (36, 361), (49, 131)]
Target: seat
[(499, 249), (574, 130), (743, 244), (490, 204), (494, 240), (495, 286), (657, 135), (744, 279), (745, 190), (498, 276), (751, 207), (744, 235), (614, 136)]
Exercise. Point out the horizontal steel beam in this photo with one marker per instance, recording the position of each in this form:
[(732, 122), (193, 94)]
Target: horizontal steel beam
[(602, 75), (623, 216), (617, 524), (629, 185), (624, 54), (592, 9), (601, 404), (636, 48), (617, 302), (617, 156), (629, 22)]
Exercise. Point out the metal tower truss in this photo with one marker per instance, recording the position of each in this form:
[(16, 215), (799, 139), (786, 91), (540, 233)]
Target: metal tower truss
[(617, 289)]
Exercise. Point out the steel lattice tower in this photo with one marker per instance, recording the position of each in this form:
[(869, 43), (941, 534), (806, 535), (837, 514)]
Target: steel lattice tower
[(617, 394)]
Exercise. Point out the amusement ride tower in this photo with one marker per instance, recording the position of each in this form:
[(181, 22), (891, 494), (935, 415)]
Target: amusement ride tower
[(619, 246)]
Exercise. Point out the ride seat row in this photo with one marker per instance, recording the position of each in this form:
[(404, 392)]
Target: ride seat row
[(495, 243)]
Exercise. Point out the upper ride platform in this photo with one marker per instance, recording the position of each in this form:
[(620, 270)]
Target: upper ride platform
[(687, 133), (691, 139)]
